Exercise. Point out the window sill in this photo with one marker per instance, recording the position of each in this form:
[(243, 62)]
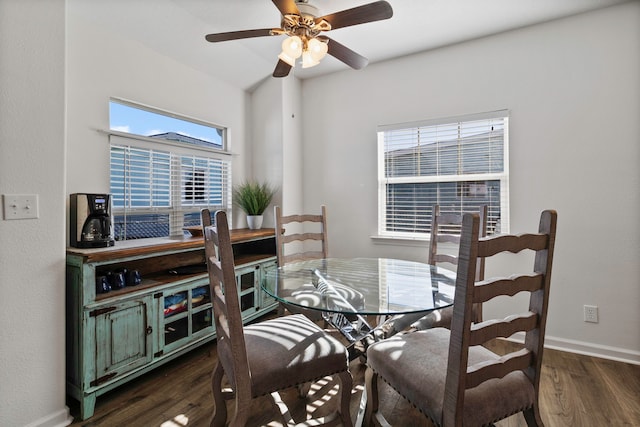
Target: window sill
[(399, 241)]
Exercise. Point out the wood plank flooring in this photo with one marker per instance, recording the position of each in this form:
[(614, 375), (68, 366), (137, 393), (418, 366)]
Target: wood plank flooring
[(576, 390)]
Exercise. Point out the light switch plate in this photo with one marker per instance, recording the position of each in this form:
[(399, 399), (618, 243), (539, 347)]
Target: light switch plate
[(20, 206)]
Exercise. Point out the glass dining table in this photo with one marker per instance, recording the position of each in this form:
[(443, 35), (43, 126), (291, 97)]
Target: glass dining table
[(348, 290)]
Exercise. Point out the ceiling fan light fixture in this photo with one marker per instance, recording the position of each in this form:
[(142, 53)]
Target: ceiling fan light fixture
[(292, 47), (317, 49), (286, 58), (302, 24), (308, 60)]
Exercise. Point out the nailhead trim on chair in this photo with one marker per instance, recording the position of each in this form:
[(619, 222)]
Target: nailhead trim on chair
[(437, 423)]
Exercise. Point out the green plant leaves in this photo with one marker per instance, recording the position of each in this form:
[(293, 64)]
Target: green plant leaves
[(253, 197)]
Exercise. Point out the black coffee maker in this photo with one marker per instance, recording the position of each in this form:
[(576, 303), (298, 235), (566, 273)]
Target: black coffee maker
[(91, 224)]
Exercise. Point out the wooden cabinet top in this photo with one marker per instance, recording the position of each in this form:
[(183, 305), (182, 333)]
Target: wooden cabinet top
[(130, 248)]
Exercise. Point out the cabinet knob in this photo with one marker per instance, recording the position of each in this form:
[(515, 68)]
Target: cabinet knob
[(149, 330)]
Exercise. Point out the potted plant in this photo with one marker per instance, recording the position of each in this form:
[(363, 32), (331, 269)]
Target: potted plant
[(253, 198)]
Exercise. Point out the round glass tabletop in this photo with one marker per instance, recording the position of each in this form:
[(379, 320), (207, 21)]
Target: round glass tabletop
[(366, 286)]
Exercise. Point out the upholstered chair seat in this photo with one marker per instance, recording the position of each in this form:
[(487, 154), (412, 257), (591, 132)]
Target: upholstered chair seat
[(421, 381)]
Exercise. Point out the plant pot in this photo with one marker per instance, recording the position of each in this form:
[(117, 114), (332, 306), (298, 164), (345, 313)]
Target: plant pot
[(254, 221)]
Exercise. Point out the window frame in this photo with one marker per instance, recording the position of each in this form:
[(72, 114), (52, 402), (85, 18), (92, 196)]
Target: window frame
[(177, 150), (383, 180)]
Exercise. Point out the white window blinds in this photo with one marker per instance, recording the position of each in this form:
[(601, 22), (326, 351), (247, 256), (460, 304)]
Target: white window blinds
[(158, 188), (458, 163)]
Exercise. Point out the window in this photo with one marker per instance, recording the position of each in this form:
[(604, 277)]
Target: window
[(459, 163), (163, 170)]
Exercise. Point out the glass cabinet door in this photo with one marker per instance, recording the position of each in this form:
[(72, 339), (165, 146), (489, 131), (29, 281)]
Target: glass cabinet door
[(187, 314), (247, 280), (266, 300), (201, 311)]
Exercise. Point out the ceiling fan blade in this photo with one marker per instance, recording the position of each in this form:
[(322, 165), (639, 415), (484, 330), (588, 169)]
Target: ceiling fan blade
[(344, 54), (235, 35), (371, 12), (287, 7), (282, 69)]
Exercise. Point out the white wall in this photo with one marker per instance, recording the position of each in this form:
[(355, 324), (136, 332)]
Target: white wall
[(293, 174), (276, 141), (32, 252), (265, 154), (573, 92), (102, 65)]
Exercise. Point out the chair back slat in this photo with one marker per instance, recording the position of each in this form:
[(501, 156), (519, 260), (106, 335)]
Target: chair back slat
[(511, 243), (302, 256), (489, 289), (448, 238), (494, 328), (449, 218), (516, 361), (302, 236), (451, 259), (301, 218)]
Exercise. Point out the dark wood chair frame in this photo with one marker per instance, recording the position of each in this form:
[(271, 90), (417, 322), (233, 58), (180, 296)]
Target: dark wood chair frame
[(441, 226), (441, 221), (232, 340), (466, 338)]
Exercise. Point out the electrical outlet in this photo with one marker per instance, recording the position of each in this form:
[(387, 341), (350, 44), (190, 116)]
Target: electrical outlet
[(591, 313)]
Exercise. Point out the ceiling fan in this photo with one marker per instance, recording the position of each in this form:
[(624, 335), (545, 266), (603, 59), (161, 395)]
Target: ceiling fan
[(301, 23)]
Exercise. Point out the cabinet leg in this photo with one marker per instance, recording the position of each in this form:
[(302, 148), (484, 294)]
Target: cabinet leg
[(87, 406)]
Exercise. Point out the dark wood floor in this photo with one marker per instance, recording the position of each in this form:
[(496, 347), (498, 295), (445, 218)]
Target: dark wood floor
[(576, 391)]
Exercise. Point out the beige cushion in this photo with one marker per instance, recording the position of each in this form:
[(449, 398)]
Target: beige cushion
[(289, 350), (416, 365)]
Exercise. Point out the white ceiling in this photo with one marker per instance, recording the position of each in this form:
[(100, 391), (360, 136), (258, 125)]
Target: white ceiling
[(176, 28)]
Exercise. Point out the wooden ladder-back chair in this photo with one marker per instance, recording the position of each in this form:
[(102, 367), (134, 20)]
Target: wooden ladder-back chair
[(269, 356), (447, 374), (291, 239), (445, 228)]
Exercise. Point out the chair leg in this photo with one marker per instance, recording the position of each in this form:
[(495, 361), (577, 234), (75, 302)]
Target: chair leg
[(242, 410), (346, 385), (281, 408), (239, 419), (303, 390), (371, 388), (219, 418), (532, 417)]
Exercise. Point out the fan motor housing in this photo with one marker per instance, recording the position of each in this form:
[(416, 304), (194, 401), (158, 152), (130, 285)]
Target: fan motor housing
[(307, 9)]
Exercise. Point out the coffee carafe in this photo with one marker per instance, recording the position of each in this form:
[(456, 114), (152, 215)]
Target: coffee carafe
[(91, 225)]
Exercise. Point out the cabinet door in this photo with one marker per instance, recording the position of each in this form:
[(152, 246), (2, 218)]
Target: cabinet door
[(123, 337), (186, 315), (247, 280), (266, 300), (201, 310)]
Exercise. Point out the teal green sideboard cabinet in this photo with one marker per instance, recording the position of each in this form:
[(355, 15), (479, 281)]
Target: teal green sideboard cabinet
[(113, 337)]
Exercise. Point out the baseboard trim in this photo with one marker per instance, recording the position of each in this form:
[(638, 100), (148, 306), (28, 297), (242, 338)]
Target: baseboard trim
[(61, 418), (588, 349)]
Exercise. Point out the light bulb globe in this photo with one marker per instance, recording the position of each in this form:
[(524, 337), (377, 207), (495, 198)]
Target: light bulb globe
[(292, 47)]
